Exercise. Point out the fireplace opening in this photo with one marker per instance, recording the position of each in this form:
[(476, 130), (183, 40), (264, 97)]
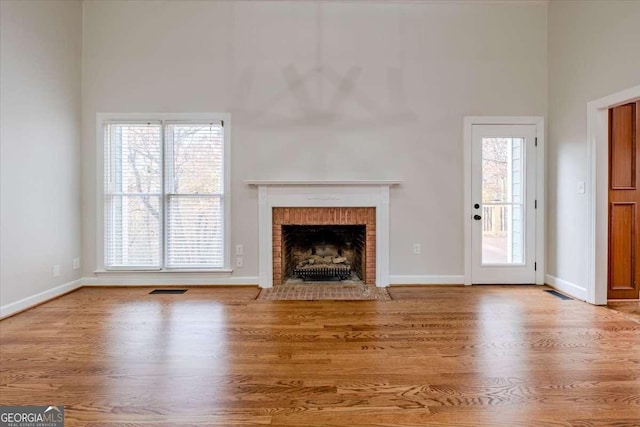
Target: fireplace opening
[(351, 229), (324, 252)]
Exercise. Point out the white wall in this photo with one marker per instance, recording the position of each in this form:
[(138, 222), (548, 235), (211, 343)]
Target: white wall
[(324, 90), (41, 45), (593, 52)]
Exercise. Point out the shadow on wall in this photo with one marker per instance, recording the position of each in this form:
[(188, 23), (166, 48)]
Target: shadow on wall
[(306, 91), (319, 96)]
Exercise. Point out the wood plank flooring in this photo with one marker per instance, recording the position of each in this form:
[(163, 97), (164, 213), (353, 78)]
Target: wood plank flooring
[(434, 356), (631, 309)]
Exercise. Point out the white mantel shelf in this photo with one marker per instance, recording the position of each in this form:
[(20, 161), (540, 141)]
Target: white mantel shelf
[(261, 183)]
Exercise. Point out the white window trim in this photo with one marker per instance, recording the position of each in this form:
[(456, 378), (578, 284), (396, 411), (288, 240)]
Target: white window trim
[(101, 120)]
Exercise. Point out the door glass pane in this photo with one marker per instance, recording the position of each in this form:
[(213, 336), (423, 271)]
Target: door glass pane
[(503, 201)]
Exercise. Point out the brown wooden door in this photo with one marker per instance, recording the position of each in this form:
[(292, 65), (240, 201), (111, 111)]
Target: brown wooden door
[(624, 201)]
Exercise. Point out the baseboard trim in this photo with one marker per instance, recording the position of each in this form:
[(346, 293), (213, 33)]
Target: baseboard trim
[(39, 298), (160, 279), (566, 287), (426, 280)]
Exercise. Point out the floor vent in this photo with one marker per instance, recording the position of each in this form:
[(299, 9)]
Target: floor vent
[(168, 291), (559, 295)]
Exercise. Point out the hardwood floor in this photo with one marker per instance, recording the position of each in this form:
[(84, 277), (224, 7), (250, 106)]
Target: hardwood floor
[(435, 356), (631, 309)]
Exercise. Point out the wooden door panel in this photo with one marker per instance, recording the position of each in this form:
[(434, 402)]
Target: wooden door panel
[(622, 246), (622, 160), (624, 197)]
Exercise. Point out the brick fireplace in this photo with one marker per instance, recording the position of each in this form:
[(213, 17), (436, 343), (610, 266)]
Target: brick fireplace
[(324, 216), (316, 204)]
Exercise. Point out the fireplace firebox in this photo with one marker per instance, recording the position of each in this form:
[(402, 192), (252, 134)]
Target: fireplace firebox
[(323, 252), (324, 244)]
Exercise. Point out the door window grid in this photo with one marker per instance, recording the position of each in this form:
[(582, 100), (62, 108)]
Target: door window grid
[(503, 203)]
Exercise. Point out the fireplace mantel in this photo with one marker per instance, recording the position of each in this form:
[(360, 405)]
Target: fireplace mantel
[(322, 193)]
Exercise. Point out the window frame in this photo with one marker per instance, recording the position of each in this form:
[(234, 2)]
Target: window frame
[(104, 119)]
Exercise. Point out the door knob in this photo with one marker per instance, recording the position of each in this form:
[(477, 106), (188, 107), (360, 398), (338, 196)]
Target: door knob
[(477, 217)]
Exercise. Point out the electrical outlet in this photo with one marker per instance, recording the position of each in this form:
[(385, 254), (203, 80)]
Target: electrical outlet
[(56, 270), (417, 249), (76, 263), (239, 250), (239, 262)]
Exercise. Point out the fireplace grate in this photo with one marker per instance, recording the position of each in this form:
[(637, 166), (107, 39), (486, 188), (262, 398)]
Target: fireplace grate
[(310, 272)]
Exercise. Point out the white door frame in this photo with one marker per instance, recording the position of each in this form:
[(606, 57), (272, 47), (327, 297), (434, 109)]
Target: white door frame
[(598, 192), (538, 121)]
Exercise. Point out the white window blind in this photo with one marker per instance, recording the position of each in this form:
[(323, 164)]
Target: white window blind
[(133, 195), (164, 195), (194, 195)]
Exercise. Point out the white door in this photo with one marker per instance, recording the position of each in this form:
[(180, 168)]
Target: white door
[(503, 190)]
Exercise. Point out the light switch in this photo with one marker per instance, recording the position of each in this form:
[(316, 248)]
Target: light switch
[(580, 187)]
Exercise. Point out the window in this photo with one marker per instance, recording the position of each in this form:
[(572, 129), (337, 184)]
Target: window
[(164, 195)]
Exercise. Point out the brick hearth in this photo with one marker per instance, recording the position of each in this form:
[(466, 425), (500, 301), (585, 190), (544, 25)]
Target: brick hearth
[(326, 216)]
